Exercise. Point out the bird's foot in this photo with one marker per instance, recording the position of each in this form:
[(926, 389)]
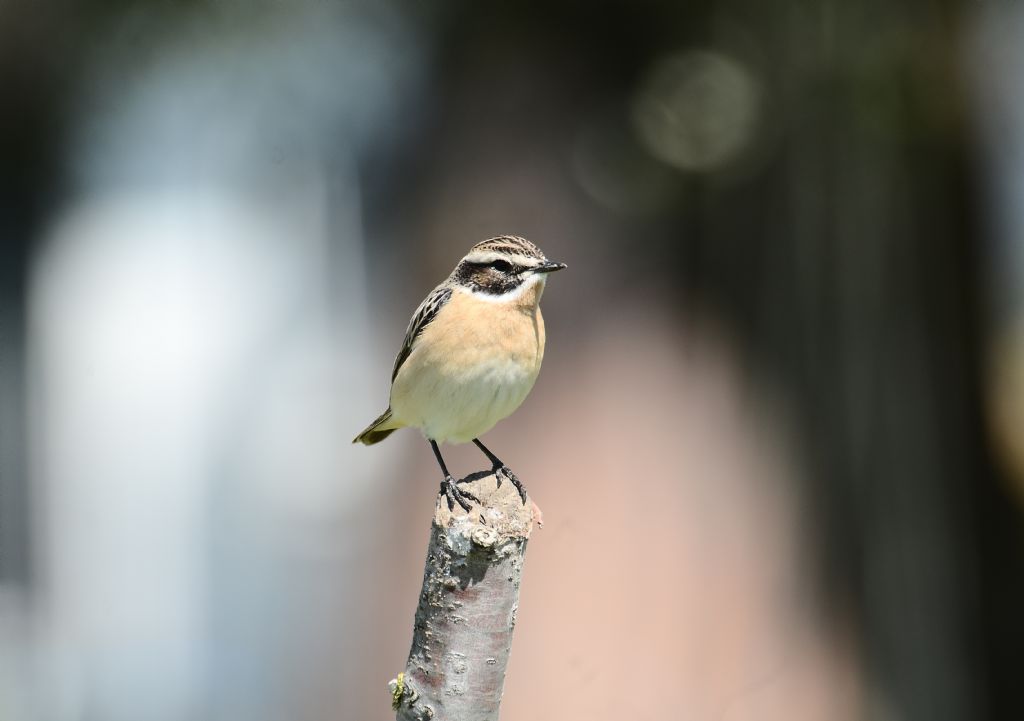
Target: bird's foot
[(503, 470), (450, 490)]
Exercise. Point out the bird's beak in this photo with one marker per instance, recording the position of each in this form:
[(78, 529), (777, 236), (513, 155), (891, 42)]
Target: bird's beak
[(549, 266)]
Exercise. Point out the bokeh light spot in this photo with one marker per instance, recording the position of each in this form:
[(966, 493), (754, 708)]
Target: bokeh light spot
[(697, 111)]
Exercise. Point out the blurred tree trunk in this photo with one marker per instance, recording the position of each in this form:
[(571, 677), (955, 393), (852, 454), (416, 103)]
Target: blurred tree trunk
[(854, 274)]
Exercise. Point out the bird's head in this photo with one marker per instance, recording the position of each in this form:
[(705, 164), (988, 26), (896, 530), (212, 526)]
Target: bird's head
[(503, 266)]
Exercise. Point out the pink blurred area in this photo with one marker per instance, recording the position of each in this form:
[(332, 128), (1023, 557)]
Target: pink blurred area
[(667, 579)]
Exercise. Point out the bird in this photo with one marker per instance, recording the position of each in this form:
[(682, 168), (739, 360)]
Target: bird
[(471, 354)]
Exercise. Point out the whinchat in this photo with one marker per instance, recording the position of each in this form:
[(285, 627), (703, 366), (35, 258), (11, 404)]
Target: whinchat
[(471, 354)]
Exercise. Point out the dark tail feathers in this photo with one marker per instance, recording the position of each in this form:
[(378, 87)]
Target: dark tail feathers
[(374, 434)]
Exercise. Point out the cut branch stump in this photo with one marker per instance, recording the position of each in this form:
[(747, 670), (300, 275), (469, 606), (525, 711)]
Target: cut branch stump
[(467, 609)]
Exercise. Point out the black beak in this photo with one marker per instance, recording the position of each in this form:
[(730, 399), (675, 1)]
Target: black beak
[(549, 266)]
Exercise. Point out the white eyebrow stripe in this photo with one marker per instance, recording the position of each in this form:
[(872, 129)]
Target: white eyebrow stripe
[(484, 257), (491, 256)]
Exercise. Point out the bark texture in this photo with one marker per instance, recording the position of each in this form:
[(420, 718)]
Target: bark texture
[(467, 609)]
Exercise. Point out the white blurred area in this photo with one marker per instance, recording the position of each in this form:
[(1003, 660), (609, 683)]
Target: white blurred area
[(191, 320)]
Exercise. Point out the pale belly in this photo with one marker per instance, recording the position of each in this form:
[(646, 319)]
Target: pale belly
[(456, 407), (472, 367)]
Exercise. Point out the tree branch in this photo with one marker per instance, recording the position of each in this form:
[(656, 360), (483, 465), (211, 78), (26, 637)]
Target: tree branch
[(467, 610)]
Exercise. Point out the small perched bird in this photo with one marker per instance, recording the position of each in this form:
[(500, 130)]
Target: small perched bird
[(471, 354)]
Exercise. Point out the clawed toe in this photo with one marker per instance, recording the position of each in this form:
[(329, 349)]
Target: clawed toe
[(451, 492), (505, 471), (499, 469)]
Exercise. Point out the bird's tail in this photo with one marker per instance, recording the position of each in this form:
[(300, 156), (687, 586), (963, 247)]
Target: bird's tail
[(378, 430)]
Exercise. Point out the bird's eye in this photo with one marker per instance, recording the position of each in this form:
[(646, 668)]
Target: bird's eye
[(502, 266)]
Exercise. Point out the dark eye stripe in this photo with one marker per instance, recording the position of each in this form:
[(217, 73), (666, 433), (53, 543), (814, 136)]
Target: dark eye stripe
[(479, 277), (505, 267)]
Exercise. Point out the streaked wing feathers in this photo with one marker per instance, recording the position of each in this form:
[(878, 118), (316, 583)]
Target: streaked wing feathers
[(427, 311)]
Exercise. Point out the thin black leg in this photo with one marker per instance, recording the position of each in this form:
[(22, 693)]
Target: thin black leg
[(500, 469), (440, 460), (448, 487)]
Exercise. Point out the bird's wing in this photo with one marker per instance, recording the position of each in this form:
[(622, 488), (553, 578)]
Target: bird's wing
[(427, 311)]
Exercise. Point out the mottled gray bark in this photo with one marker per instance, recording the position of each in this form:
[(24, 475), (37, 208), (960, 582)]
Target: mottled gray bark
[(467, 610)]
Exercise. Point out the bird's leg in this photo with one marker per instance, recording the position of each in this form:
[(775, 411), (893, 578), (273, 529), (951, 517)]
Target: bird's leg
[(448, 487), (500, 469)]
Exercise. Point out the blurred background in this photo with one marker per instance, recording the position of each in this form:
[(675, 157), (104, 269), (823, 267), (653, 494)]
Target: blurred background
[(779, 435)]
